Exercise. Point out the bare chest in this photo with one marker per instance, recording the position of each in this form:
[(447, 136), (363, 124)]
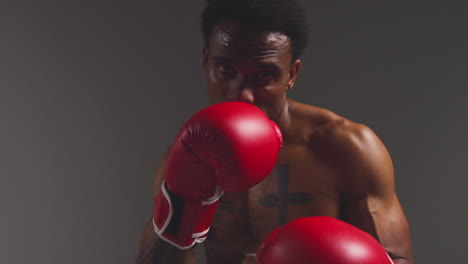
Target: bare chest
[(299, 186)]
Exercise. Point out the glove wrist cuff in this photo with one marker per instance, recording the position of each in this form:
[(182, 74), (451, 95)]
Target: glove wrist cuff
[(183, 222)]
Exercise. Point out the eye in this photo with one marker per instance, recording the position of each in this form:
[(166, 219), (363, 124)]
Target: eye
[(225, 68), (265, 75)]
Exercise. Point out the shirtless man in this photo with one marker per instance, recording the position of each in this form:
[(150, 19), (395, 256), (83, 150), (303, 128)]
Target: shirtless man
[(328, 165)]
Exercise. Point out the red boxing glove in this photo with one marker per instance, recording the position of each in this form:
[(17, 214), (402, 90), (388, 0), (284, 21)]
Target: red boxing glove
[(321, 240), (228, 147)]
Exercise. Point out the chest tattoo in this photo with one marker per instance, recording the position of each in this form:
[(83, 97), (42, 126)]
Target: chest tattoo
[(283, 198)]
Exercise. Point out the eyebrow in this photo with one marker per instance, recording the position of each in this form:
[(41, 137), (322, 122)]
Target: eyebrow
[(263, 65), (271, 66), (220, 58)]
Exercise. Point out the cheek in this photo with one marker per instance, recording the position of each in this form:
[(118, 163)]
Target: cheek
[(210, 75), (215, 79), (269, 94), (211, 79), (216, 87)]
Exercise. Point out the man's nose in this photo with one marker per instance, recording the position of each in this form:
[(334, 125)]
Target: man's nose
[(242, 93)]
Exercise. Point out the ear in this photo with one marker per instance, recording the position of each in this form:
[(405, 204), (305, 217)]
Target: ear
[(204, 56), (293, 71)]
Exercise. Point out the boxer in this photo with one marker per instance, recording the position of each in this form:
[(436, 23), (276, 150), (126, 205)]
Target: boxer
[(328, 165)]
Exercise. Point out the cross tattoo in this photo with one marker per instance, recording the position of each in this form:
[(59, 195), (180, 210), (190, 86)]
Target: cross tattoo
[(283, 199)]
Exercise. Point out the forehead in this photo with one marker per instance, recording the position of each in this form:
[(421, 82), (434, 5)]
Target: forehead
[(242, 41)]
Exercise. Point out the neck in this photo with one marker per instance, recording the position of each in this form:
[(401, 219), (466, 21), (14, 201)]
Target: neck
[(283, 118)]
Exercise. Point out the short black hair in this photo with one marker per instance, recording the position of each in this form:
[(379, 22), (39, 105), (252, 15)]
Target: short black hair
[(284, 16)]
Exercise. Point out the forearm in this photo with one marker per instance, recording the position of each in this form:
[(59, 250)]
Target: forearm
[(400, 260), (161, 252), (154, 250)]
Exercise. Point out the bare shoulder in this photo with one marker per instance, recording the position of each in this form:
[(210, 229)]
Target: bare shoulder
[(347, 138), (330, 130), (350, 148)]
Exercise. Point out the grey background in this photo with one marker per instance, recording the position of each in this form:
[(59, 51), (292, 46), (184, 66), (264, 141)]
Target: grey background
[(92, 93)]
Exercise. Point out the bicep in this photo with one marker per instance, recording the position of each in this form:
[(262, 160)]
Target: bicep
[(371, 202), (384, 219)]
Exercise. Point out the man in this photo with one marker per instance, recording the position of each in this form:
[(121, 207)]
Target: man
[(328, 165)]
